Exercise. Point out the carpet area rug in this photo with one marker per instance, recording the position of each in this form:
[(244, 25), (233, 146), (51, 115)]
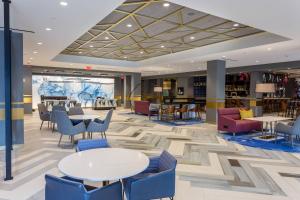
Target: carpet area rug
[(254, 140), (179, 122)]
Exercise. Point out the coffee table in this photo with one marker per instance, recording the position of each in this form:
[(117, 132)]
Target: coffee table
[(269, 120)]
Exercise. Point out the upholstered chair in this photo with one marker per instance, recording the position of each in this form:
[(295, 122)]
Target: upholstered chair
[(156, 182), (66, 127), (154, 108), (76, 111), (66, 188), (91, 144), (44, 114), (99, 126), (291, 130), (53, 117)]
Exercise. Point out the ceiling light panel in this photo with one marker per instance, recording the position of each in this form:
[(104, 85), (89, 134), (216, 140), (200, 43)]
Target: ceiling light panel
[(154, 25)]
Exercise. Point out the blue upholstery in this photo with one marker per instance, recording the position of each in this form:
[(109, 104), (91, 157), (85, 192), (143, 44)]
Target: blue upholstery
[(291, 129), (76, 111), (56, 108), (100, 126), (157, 181), (43, 113), (53, 114), (70, 189), (92, 144), (66, 127)]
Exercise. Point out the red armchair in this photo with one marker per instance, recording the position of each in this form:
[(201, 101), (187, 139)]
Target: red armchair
[(141, 107), (229, 120)]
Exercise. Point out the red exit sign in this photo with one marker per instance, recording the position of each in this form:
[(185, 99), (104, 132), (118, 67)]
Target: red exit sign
[(88, 67)]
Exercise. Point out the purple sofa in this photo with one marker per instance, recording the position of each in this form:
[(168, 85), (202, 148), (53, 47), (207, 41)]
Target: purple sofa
[(229, 120)]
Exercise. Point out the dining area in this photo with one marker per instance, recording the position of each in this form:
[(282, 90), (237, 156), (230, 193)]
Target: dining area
[(96, 169), (173, 111), (73, 121)]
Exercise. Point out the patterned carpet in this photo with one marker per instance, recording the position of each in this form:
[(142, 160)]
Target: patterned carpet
[(209, 167)]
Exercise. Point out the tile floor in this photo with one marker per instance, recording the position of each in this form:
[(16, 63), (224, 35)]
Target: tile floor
[(209, 167)]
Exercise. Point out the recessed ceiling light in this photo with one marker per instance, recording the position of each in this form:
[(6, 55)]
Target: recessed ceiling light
[(63, 3), (162, 46), (31, 58), (106, 38), (166, 4), (39, 43), (71, 64), (129, 25), (91, 46), (80, 52), (223, 56), (125, 57), (141, 52), (257, 61), (192, 37), (35, 52), (48, 29), (236, 25), (269, 49)]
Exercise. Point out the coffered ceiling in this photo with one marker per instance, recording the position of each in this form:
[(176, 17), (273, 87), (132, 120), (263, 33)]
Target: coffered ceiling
[(138, 30)]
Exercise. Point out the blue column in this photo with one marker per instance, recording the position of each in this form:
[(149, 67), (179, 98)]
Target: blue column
[(16, 88)]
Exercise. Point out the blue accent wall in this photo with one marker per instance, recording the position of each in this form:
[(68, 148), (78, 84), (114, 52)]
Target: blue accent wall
[(84, 90)]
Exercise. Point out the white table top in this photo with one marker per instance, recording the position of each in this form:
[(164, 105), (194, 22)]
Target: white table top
[(103, 164), (269, 118), (84, 117)]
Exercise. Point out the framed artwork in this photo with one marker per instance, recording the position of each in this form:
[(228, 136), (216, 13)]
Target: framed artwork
[(180, 91)]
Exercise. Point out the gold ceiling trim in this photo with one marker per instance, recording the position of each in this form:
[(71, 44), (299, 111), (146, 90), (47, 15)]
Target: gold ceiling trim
[(177, 24)]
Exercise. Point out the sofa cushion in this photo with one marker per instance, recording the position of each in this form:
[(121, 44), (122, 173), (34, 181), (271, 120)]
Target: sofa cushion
[(246, 113)]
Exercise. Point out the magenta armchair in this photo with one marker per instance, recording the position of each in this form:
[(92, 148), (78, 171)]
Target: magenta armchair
[(229, 120)]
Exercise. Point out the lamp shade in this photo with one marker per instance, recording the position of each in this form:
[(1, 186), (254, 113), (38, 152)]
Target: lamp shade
[(167, 85), (265, 88), (158, 89)]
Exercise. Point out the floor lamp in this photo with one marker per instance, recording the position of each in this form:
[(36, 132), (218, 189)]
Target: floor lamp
[(158, 90)]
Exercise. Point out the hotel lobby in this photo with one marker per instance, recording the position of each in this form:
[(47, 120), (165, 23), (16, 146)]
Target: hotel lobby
[(149, 99)]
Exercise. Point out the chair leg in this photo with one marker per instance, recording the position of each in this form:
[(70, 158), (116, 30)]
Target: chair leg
[(41, 125), (72, 140), (59, 140), (53, 127), (104, 134)]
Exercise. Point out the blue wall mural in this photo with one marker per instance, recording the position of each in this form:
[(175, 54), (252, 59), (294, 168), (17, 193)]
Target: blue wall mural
[(84, 90)]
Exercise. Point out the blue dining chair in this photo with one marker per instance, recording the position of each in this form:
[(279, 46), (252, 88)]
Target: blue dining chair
[(100, 126), (157, 181), (53, 116), (66, 188), (91, 144), (66, 127)]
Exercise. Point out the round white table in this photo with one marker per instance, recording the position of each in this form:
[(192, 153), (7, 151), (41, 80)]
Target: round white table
[(84, 117), (105, 164)]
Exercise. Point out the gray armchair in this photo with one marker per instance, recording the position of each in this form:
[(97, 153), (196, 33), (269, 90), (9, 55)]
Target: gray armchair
[(44, 114), (291, 130), (66, 127), (100, 126), (154, 108), (76, 111)]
